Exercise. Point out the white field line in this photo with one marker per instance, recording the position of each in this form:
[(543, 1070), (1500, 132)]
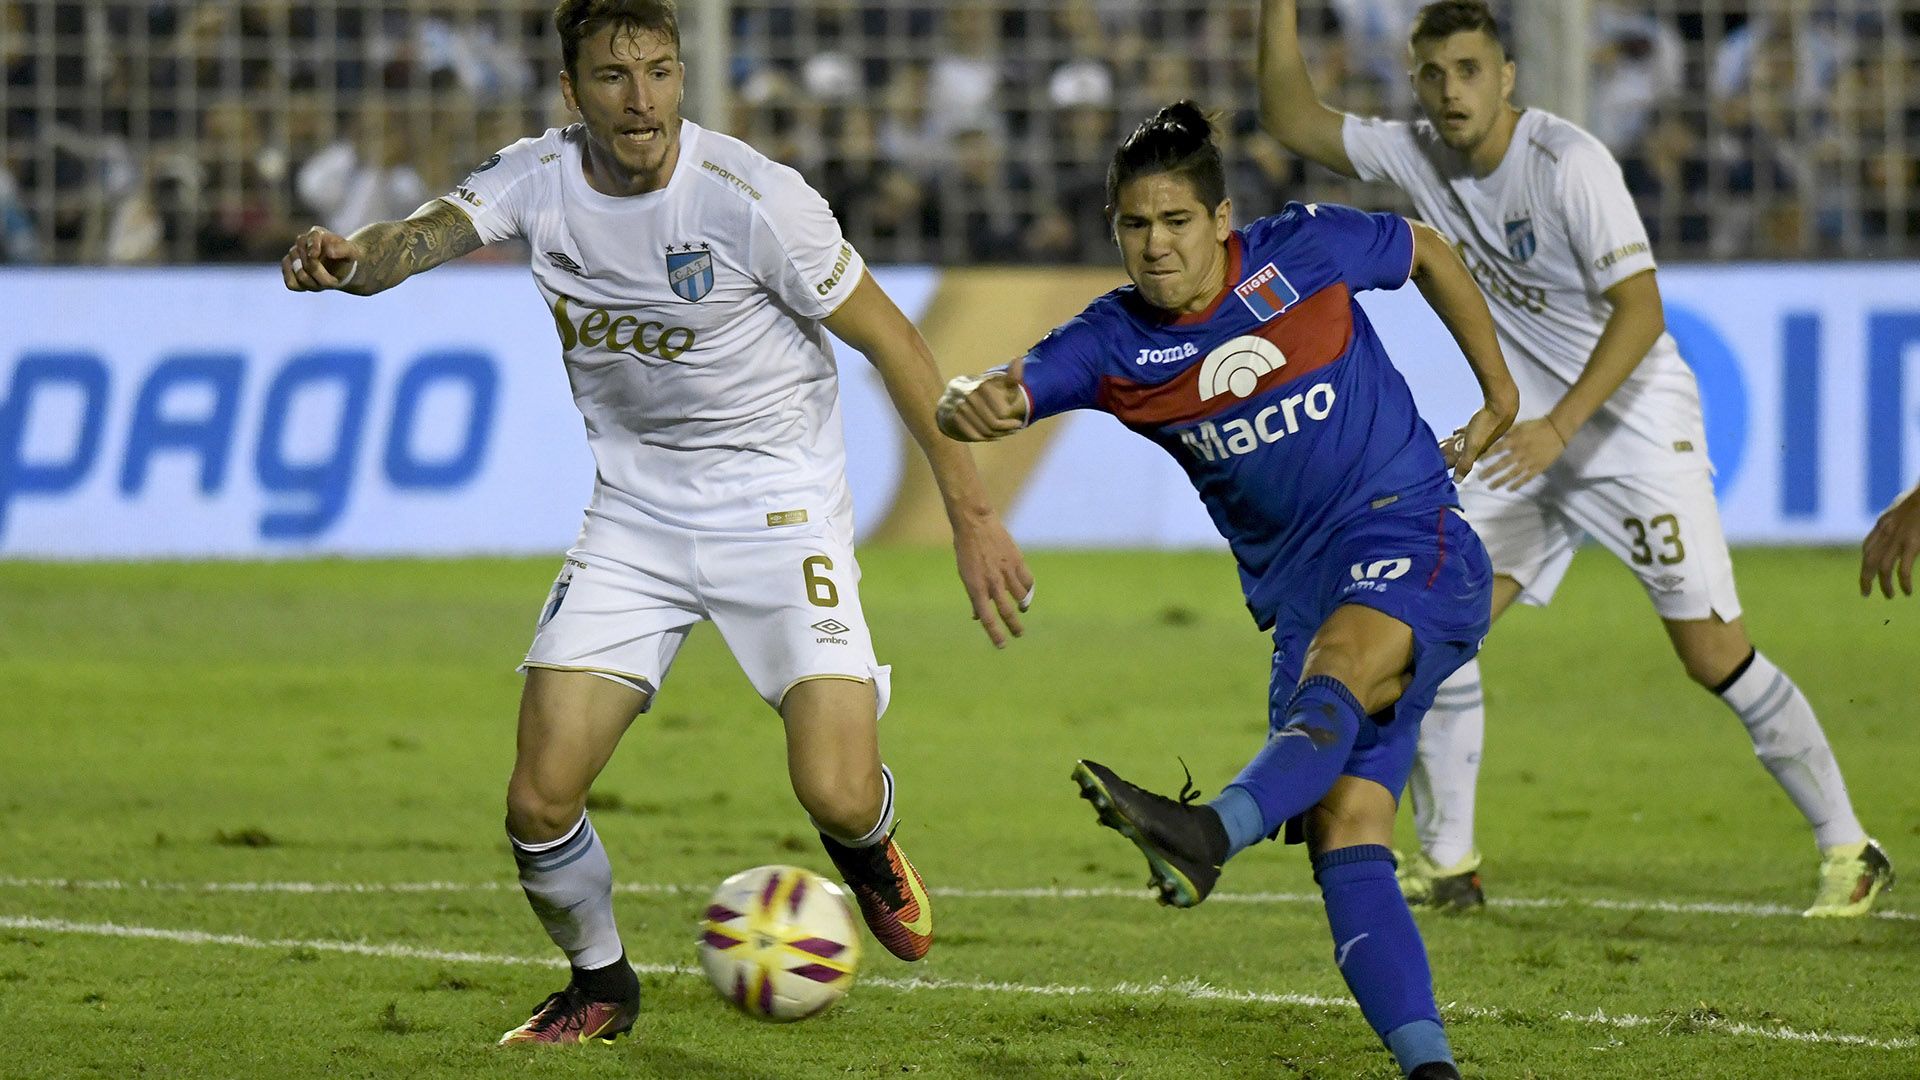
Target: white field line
[(1663, 907), (1191, 990)]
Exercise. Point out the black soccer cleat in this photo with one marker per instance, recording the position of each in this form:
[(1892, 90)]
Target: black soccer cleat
[(1435, 1070), (1184, 844)]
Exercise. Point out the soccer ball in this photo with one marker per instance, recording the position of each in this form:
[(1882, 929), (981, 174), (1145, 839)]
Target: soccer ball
[(779, 942)]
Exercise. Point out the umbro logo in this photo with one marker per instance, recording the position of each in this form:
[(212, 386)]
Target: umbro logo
[(831, 626), (561, 260)]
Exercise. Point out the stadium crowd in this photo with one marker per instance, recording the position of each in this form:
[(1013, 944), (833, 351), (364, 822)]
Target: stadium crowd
[(142, 131)]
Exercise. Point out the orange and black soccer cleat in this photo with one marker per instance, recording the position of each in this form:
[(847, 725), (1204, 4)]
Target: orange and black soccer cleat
[(892, 897), (571, 1016)]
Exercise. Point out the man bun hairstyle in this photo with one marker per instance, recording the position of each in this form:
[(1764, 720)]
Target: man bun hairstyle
[(1178, 139), (578, 20), (1446, 18)]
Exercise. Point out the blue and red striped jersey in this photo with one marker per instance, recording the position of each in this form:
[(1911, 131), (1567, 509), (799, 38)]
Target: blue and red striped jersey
[(1278, 400)]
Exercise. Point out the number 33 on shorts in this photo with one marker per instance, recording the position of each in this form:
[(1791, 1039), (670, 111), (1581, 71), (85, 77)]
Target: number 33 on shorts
[(1664, 529)]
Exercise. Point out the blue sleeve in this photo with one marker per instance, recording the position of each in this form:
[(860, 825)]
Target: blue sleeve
[(1371, 251), (1062, 371)]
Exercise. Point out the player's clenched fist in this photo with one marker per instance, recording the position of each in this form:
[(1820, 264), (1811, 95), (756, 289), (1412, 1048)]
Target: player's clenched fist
[(979, 408), (320, 260)]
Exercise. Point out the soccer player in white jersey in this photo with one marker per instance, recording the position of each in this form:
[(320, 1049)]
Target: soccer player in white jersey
[(1610, 442), (692, 283)]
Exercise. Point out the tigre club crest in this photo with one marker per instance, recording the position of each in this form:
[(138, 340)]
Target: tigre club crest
[(690, 271)]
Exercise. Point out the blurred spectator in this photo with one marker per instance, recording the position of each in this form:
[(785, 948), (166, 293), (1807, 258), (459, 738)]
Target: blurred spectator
[(1668, 175), (1774, 78), (364, 178), (1800, 44), (905, 130), (1261, 175), (1638, 63), (978, 198), (241, 176), (137, 130), (965, 75), (136, 231), (1373, 45), (18, 241), (880, 205), (469, 53)]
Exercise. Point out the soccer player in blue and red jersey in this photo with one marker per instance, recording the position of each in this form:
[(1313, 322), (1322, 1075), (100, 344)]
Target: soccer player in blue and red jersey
[(1243, 353)]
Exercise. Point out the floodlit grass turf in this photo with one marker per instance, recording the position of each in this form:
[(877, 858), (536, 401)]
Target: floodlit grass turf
[(352, 722)]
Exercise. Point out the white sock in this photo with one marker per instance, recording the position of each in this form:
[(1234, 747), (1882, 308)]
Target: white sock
[(880, 828), (1448, 767), (569, 882), (1788, 740)]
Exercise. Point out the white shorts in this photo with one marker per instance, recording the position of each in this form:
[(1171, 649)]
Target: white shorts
[(785, 599), (1665, 527)]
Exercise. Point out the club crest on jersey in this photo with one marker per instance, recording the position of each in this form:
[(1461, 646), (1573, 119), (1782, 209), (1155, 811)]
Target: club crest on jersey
[(1267, 293), (690, 271), (1520, 242)]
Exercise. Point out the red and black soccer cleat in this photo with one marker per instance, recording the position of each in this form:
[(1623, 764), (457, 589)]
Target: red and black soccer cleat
[(892, 897), (570, 1016)]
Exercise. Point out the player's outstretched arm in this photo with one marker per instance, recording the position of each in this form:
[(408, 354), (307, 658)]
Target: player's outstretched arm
[(1290, 110), (1893, 545), (1637, 322), (991, 567), (381, 255), (1450, 290), (981, 408)]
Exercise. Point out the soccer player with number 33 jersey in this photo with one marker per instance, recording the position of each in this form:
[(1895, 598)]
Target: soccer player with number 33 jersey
[(1610, 442)]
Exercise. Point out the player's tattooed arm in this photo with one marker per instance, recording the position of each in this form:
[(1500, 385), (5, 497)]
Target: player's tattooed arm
[(381, 255), (393, 251)]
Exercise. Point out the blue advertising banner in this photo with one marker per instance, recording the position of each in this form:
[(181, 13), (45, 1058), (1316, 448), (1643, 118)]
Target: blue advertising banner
[(211, 414)]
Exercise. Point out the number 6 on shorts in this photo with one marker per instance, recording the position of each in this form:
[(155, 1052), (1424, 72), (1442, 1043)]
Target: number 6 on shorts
[(820, 589)]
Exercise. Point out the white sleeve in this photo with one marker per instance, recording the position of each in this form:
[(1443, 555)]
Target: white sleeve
[(797, 250), (493, 195), (1381, 149), (1603, 224)]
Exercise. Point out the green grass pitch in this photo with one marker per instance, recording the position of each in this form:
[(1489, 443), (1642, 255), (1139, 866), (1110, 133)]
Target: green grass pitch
[(174, 736)]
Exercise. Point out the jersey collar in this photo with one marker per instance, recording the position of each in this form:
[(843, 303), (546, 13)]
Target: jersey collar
[(577, 177)]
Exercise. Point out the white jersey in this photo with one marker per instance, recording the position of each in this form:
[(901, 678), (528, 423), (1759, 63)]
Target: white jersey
[(1546, 235), (689, 320)]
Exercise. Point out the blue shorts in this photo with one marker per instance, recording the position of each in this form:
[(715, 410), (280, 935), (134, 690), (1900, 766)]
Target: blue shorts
[(1425, 568)]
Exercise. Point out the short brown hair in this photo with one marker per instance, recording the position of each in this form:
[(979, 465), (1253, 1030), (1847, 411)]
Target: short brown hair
[(577, 20), (1449, 17)]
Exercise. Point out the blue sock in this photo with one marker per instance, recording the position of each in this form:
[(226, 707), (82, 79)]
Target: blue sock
[(1296, 767), (1418, 1043), (1379, 952)]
